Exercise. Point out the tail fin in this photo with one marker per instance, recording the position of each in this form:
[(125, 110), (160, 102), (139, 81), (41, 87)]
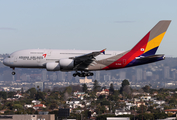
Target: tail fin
[(149, 44), (145, 48)]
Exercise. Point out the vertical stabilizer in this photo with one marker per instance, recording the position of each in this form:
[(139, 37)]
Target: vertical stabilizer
[(151, 41)]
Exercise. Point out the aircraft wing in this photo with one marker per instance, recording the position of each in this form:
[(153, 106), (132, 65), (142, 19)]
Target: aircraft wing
[(84, 60)]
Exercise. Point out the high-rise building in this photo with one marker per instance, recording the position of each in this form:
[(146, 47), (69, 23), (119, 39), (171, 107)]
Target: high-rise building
[(122, 75), (44, 75), (144, 75), (69, 76), (166, 72), (98, 75), (53, 76), (61, 76), (107, 77), (139, 74)]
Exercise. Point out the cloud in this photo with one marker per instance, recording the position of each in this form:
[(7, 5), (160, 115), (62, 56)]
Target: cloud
[(6, 28), (124, 21)]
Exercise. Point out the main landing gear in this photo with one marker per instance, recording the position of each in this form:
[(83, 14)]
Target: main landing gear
[(13, 72), (83, 74)]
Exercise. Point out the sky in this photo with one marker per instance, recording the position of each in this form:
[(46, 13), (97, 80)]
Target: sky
[(84, 24)]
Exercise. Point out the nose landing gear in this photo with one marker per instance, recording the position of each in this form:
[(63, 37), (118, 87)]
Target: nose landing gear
[(13, 72)]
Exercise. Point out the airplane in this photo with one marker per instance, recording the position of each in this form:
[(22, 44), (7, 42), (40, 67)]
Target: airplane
[(83, 62)]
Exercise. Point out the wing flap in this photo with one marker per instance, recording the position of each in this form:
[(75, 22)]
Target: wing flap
[(84, 60)]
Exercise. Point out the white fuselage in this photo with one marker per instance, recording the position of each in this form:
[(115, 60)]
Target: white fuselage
[(37, 58)]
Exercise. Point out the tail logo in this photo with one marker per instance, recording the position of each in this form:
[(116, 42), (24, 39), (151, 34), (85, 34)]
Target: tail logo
[(142, 49)]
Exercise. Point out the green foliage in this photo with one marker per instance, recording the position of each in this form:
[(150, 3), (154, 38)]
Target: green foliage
[(18, 107), (101, 97), (30, 111), (124, 84), (160, 115), (105, 103), (9, 112), (74, 116), (53, 105), (111, 88), (100, 109), (84, 88), (96, 86), (39, 95), (3, 95), (146, 88), (85, 114), (113, 97), (9, 105), (145, 116), (11, 94), (32, 92), (141, 109), (68, 90)]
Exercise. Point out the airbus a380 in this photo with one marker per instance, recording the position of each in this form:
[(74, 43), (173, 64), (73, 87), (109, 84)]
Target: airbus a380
[(83, 62)]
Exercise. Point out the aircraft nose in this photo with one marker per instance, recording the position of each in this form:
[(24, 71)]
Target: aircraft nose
[(6, 61)]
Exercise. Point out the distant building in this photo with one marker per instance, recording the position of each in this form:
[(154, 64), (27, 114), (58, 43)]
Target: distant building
[(139, 74), (69, 76), (117, 118), (53, 76), (62, 76), (166, 72), (122, 112), (36, 102), (39, 86), (44, 75), (103, 92), (173, 111), (144, 75), (122, 75), (28, 117), (107, 77), (98, 75), (85, 80), (39, 106)]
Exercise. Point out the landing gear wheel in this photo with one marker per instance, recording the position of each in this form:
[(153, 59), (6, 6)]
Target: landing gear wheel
[(82, 74), (13, 73), (91, 74), (75, 74)]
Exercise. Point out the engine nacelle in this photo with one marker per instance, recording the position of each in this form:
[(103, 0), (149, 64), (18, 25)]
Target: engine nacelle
[(66, 64), (53, 66)]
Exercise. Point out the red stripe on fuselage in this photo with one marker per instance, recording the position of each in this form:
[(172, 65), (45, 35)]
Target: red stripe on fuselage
[(136, 51)]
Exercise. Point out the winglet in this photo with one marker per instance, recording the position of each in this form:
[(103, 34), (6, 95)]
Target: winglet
[(103, 51)]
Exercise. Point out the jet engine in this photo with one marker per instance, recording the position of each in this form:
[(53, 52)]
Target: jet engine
[(63, 64), (66, 64), (53, 66)]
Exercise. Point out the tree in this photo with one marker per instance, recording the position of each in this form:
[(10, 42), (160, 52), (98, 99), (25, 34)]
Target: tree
[(39, 95), (84, 87), (146, 88), (3, 95), (32, 92), (125, 83), (68, 90), (111, 89), (96, 86)]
